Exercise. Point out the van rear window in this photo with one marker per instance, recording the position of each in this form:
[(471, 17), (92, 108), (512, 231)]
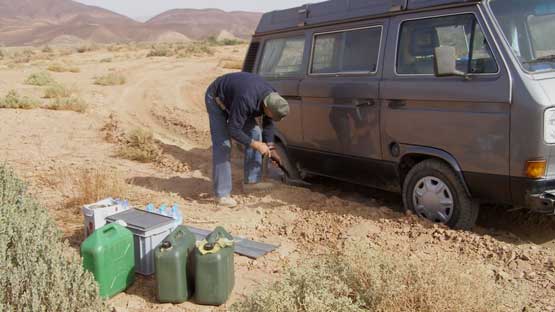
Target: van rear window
[(351, 51), (282, 57)]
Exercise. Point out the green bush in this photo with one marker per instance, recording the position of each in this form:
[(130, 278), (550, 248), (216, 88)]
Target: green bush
[(39, 79), (16, 101), (361, 279), (36, 272)]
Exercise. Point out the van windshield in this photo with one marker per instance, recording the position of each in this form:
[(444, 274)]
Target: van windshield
[(528, 26)]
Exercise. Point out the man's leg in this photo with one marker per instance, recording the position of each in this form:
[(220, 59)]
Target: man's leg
[(221, 149), (253, 162), (253, 159)]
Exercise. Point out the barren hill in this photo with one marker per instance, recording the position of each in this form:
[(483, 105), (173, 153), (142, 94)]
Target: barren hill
[(208, 22), (35, 22)]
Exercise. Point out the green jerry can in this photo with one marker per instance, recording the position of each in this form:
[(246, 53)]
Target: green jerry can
[(214, 268), (109, 255), (174, 280)]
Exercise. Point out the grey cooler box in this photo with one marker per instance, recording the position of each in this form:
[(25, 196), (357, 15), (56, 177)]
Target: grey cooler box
[(149, 230)]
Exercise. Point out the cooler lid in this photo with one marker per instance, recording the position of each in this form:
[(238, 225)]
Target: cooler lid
[(141, 220)]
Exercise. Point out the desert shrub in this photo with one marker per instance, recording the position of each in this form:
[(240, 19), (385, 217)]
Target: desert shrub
[(194, 49), (161, 50), (111, 79), (36, 271), (231, 64), (56, 90), (2, 54), (63, 68), (223, 42), (362, 279), (87, 48), (47, 49), (106, 60), (14, 100), (39, 79), (71, 103), (140, 145), (24, 56)]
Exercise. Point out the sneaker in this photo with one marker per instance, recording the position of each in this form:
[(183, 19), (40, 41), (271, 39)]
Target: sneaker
[(227, 202), (258, 187)]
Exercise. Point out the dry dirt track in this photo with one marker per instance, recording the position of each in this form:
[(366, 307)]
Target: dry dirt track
[(166, 95)]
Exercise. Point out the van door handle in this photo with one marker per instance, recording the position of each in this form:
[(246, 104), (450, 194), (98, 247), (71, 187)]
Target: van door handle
[(396, 104), (366, 103)]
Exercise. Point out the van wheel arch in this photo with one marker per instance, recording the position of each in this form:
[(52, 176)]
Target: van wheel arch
[(409, 160)]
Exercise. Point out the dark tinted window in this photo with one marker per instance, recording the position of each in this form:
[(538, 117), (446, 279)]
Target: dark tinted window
[(419, 38), (282, 57), (347, 51)]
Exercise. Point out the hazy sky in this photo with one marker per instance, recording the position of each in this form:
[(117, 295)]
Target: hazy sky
[(147, 8)]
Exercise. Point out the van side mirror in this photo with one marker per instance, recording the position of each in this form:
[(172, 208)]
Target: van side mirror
[(445, 62)]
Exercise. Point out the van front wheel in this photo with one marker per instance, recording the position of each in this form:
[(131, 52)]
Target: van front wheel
[(433, 191)]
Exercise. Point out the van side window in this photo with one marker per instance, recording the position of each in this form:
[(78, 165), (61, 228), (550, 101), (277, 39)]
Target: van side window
[(349, 51), (282, 57), (419, 38)]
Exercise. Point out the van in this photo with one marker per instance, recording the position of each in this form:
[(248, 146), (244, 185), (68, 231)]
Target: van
[(449, 102)]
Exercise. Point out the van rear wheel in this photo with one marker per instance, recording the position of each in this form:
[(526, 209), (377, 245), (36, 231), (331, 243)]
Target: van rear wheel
[(433, 191)]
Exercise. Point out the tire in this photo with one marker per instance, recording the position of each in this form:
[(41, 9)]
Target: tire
[(433, 191), (294, 174)]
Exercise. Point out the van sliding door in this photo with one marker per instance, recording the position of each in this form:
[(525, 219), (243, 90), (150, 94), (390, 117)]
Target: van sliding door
[(340, 98)]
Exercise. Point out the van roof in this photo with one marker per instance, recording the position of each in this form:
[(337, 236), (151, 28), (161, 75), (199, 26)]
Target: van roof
[(339, 10)]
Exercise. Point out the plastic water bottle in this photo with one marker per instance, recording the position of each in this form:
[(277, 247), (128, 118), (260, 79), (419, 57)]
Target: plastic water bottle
[(162, 209), (150, 208), (176, 214)]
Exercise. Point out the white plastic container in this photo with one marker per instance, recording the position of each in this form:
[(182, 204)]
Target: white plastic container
[(95, 215), (149, 230)]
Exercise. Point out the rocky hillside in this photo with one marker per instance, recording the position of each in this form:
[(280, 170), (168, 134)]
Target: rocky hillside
[(36, 22)]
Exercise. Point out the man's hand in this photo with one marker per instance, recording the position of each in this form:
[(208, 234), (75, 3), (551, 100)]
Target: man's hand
[(261, 147), (274, 155)]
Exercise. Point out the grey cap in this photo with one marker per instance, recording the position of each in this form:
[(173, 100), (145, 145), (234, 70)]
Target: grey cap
[(277, 105)]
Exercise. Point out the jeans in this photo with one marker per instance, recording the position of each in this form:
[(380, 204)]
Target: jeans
[(221, 149)]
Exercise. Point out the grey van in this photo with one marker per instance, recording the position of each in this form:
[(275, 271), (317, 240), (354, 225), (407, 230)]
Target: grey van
[(449, 102)]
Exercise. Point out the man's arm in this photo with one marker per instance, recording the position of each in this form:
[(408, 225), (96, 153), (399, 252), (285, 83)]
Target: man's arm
[(268, 130), (238, 116)]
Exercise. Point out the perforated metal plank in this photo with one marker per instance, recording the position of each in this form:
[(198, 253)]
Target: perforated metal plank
[(243, 246)]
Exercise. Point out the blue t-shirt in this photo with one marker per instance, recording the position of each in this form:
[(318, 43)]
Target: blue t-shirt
[(243, 95)]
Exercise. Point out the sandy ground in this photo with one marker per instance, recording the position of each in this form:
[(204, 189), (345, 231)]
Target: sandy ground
[(166, 95)]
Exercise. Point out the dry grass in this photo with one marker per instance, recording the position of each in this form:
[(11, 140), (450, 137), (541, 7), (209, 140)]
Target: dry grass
[(140, 146), (111, 79), (63, 68), (362, 279), (15, 101), (231, 64), (161, 50), (72, 103), (194, 49), (39, 79), (57, 90), (85, 186)]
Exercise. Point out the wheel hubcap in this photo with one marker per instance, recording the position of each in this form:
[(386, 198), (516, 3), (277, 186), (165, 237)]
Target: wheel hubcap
[(433, 200)]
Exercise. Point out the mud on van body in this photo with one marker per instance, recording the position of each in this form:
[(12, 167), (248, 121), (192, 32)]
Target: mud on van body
[(450, 102)]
